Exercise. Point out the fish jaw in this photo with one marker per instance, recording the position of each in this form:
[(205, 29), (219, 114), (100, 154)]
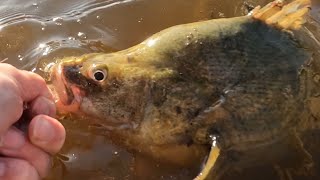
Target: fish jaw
[(68, 97)]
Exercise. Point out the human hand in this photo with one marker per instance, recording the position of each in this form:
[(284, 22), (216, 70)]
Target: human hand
[(27, 155)]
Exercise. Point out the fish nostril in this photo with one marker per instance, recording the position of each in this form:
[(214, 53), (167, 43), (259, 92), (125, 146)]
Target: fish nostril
[(72, 74)]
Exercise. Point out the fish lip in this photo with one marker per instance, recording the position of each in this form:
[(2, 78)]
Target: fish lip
[(68, 96)]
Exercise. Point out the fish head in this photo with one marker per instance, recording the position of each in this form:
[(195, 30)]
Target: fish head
[(95, 85)]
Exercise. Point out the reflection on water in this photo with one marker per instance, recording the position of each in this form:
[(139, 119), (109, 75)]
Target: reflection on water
[(36, 32)]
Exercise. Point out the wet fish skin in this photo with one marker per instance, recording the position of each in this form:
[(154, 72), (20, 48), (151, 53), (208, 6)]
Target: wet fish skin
[(233, 78)]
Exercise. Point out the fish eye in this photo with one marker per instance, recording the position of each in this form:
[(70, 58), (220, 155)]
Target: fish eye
[(99, 75)]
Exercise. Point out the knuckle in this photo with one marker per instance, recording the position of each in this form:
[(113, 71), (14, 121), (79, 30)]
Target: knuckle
[(10, 100), (40, 82), (35, 76), (38, 78)]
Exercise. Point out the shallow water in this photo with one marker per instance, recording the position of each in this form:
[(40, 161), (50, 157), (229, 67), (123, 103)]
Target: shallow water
[(35, 32)]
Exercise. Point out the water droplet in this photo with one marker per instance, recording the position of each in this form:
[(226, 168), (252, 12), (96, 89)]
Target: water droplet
[(58, 21), (48, 67), (42, 46), (20, 57), (43, 28), (79, 21), (151, 42), (46, 49), (116, 153), (56, 18), (214, 140), (190, 36), (98, 17), (82, 35), (35, 5), (221, 14), (73, 156), (71, 38), (140, 20)]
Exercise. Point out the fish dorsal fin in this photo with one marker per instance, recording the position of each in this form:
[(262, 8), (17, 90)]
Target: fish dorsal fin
[(289, 17)]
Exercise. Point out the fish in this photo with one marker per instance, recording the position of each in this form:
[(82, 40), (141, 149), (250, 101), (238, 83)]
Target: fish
[(241, 89)]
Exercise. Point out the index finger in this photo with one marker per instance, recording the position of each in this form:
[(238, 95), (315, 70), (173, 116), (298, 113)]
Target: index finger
[(17, 87), (30, 85)]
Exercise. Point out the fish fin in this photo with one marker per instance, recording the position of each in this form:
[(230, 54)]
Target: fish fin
[(283, 174), (290, 16), (306, 167), (209, 165)]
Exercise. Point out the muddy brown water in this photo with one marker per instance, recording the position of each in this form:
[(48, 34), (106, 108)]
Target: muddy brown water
[(35, 32)]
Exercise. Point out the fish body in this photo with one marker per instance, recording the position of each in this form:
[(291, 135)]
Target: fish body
[(238, 82)]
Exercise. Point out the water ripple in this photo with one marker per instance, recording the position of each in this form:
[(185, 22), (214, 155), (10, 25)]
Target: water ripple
[(20, 17), (79, 11)]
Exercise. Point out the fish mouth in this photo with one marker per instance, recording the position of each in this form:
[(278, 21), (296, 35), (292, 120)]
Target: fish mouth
[(68, 96)]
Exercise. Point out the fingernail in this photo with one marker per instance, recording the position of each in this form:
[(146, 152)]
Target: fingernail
[(43, 130), (2, 169)]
